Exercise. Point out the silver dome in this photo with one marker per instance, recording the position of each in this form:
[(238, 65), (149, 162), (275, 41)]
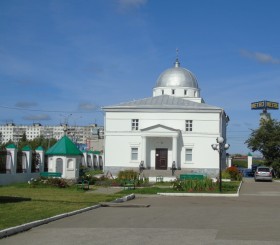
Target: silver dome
[(177, 77)]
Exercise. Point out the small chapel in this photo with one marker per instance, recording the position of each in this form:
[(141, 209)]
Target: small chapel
[(172, 129)]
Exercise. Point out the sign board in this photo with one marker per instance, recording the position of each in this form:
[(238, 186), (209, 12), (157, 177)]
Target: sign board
[(260, 105)]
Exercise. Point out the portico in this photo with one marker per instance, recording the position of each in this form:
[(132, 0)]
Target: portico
[(159, 147)]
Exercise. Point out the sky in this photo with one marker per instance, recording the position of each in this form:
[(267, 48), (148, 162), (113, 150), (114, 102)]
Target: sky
[(63, 60)]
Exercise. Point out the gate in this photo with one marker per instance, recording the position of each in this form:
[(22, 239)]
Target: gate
[(46, 169), (35, 162), (5, 162), (21, 162)]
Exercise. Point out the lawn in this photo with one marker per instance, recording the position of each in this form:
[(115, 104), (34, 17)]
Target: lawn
[(45, 202), (227, 187)]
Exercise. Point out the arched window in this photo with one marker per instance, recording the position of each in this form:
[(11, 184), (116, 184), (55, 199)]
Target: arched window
[(70, 164)]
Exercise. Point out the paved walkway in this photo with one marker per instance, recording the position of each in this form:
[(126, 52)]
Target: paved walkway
[(252, 218)]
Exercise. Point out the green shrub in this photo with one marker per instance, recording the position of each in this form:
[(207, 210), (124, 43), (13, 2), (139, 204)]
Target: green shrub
[(226, 175), (143, 182), (234, 173), (93, 172), (195, 185), (128, 175), (45, 182), (89, 175), (105, 182)]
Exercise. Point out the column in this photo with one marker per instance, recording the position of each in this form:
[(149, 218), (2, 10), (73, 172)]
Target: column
[(250, 161), (174, 151), (28, 161), (13, 159), (229, 161), (143, 150)]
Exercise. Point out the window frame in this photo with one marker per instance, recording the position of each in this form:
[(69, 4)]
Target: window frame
[(188, 125), (134, 151), (188, 152), (134, 124)]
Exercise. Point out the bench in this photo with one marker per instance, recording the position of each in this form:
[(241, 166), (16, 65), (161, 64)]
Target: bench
[(50, 174), (192, 176), (83, 184), (128, 184)]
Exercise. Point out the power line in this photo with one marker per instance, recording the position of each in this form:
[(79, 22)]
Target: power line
[(50, 111)]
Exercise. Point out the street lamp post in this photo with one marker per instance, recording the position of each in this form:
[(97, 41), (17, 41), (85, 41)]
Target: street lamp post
[(220, 147)]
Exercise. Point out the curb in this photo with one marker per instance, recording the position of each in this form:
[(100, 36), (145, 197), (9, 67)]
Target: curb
[(21, 228), (202, 194)]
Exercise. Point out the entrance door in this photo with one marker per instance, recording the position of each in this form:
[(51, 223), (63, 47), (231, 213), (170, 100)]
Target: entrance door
[(161, 158), (59, 165)]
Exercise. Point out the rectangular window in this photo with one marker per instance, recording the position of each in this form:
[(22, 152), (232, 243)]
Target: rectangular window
[(189, 125), (188, 155), (134, 154), (134, 124), (173, 91)]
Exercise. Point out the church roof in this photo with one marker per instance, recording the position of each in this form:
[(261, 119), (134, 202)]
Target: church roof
[(177, 77), (64, 147), (163, 102)]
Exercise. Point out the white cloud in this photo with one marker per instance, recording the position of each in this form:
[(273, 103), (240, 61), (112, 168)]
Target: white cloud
[(260, 57)]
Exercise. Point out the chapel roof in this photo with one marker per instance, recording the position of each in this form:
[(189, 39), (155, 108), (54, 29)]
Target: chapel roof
[(64, 147)]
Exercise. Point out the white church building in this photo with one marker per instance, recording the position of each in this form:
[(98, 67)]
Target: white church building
[(174, 128)]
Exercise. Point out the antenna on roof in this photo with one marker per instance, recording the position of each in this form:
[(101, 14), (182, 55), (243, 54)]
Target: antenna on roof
[(177, 63)]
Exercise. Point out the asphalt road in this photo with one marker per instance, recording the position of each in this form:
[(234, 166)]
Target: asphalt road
[(251, 218)]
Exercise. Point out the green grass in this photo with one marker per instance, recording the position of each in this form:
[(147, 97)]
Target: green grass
[(45, 202), (227, 187), (49, 201)]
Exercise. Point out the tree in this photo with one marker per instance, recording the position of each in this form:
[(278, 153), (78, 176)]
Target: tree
[(42, 141), (35, 143), (23, 141), (266, 139)]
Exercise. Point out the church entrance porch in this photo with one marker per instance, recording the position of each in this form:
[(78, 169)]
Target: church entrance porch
[(161, 159)]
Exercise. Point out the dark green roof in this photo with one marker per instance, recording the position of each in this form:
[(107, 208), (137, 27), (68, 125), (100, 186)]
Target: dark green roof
[(64, 147), (11, 146), (94, 152), (26, 148), (40, 148)]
